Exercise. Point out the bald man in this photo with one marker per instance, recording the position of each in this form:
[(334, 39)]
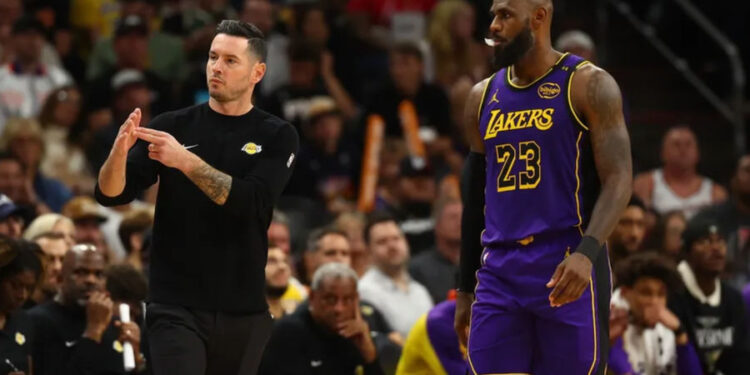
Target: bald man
[(75, 332), (548, 176)]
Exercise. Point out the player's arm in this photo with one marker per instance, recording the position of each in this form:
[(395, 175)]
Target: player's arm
[(472, 220), (242, 195), (597, 98)]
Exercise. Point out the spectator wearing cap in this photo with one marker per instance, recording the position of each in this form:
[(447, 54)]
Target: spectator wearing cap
[(130, 90), (387, 285), (75, 331), (411, 202), (437, 268), (88, 218), (22, 138), (20, 270), (133, 228), (712, 311), (165, 52), (26, 80), (328, 166), (733, 217), (327, 337), (11, 221), (130, 45)]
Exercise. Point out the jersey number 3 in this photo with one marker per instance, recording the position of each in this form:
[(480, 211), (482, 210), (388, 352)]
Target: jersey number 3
[(506, 156)]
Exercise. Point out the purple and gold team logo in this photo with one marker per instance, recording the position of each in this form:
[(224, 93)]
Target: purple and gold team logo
[(548, 90), (251, 148)]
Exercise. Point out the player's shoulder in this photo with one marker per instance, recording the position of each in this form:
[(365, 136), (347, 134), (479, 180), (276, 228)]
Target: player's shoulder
[(588, 73)]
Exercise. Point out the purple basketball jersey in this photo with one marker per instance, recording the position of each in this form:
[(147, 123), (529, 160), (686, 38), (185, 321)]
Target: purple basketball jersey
[(540, 172)]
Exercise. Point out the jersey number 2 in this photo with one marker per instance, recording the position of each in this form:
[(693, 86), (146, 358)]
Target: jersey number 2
[(506, 156)]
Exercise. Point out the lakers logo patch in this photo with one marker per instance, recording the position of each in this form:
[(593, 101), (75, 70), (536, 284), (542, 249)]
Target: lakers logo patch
[(548, 90), (251, 148), (117, 346), (20, 338)]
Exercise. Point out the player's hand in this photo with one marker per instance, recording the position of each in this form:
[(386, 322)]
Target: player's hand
[(570, 279), (126, 137), (463, 315), (99, 310), (164, 148)]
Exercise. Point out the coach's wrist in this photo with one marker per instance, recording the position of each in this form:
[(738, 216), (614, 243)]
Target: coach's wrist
[(189, 163)]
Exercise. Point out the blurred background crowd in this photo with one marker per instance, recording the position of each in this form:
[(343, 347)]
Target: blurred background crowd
[(376, 89)]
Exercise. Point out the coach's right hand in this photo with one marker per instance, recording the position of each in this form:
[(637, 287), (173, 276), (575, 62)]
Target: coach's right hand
[(126, 137), (463, 316)]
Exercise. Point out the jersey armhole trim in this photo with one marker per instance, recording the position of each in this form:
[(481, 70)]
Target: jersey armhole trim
[(484, 97), (570, 100)]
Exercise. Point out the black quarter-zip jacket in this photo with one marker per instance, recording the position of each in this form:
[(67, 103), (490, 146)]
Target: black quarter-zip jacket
[(204, 255)]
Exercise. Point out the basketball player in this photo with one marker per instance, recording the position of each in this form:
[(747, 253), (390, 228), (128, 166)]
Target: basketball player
[(548, 176)]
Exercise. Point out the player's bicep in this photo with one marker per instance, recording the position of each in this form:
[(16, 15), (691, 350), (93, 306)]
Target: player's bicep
[(471, 117), (598, 98)]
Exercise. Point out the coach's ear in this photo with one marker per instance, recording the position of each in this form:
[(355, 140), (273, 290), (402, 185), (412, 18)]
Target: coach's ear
[(259, 70)]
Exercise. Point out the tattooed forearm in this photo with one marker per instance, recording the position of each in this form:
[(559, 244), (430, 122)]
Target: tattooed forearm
[(214, 183)]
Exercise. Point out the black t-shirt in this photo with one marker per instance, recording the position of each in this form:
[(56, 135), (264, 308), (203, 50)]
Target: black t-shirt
[(719, 333), (16, 341), (204, 255), (60, 348), (431, 103), (298, 346)]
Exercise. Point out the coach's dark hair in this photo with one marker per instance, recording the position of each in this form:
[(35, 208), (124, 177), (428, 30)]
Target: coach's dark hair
[(648, 264), (255, 39), (316, 235), (376, 218)]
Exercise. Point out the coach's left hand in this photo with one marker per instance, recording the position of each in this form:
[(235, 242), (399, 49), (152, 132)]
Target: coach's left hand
[(570, 279), (165, 149)]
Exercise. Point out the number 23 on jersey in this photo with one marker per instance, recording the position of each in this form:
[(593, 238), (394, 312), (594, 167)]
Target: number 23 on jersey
[(529, 178)]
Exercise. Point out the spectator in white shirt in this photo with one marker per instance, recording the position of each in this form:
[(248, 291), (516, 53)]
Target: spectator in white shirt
[(387, 285)]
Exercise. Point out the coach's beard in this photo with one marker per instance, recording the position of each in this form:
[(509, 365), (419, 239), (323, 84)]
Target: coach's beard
[(515, 50)]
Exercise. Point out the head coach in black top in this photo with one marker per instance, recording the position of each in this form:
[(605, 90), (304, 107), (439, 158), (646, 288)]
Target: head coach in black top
[(221, 167)]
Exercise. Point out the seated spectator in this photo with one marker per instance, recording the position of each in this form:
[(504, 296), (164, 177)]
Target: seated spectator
[(51, 225), (653, 340), (411, 201), (22, 138), (733, 217), (326, 245), (18, 277), (64, 158), (26, 80), (310, 76), (432, 346), (75, 332), (627, 237), (328, 337), (88, 218), (133, 228), (677, 184), (130, 45), (666, 236), (353, 224), (165, 52), (328, 165), (53, 249), (278, 273), (407, 82), (387, 285), (11, 221), (713, 312), (437, 268), (278, 232)]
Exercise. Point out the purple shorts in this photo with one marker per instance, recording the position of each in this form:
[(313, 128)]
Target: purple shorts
[(514, 330)]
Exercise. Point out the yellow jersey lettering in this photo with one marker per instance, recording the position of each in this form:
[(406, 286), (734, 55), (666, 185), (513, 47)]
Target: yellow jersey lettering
[(529, 118), (546, 121)]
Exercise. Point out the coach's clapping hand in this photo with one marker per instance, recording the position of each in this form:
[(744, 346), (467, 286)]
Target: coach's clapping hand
[(165, 149), (570, 279), (126, 137)]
